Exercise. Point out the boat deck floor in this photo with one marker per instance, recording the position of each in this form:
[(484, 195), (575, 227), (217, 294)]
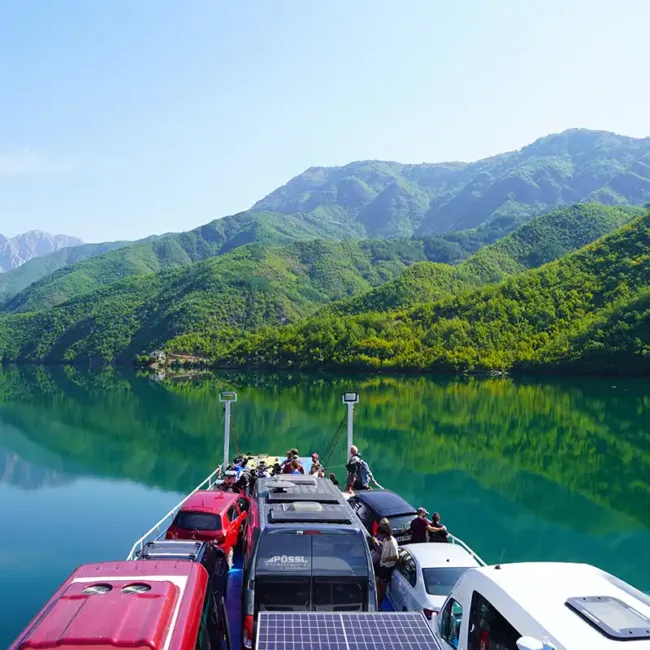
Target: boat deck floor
[(233, 602)]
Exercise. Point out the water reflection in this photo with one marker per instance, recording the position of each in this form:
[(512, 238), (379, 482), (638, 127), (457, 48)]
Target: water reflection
[(531, 470)]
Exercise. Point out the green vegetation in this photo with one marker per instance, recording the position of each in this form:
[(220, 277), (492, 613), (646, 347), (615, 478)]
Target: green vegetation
[(389, 199), (14, 281), (532, 320), (155, 254), (249, 287), (542, 240), (359, 298)]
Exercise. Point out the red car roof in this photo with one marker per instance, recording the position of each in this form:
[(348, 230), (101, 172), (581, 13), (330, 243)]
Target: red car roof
[(214, 501), (92, 609)]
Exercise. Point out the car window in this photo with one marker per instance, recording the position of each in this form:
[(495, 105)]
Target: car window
[(189, 520), (401, 522), (243, 504), (365, 515), (406, 566), (488, 628), (450, 621), (439, 581), (233, 513)]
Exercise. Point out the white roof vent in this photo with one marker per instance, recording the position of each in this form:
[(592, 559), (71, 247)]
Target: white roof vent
[(307, 506)]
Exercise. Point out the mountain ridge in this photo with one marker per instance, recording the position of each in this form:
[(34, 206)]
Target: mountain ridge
[(15, 251), (576, 165)]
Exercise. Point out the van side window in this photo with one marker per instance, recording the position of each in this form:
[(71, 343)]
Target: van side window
[(450, 620), (488, 628), (232, 513), (243, 504)]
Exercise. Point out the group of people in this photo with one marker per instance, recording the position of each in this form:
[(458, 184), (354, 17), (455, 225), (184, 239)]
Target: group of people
[(385, 549), (292, 465)]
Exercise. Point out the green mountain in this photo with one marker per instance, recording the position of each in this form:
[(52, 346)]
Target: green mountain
[(201, 308), (577, 312), (538, 242), (484, 200), (88, 269), (249, 287), (387, 199), (14, 281)]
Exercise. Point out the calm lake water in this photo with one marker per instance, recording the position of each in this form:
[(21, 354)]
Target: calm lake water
[(524, 469)]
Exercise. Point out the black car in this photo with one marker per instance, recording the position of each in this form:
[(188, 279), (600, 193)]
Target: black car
[(373, 505), (210, 556)]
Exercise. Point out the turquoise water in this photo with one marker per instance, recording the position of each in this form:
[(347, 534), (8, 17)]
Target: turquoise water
[(524, 470)]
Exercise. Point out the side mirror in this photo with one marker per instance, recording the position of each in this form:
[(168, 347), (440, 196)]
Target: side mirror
[(529, 643)]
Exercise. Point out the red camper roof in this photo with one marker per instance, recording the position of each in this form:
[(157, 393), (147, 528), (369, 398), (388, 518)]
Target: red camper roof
[(142, 605)]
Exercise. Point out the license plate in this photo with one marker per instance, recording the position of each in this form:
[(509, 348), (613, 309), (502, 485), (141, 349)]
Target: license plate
[(403, 538)]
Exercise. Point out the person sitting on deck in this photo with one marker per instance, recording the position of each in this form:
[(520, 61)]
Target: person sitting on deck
[(420, 526)]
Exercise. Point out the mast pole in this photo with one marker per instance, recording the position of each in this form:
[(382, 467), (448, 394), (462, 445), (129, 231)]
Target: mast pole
[(350, 399), (227, 397)]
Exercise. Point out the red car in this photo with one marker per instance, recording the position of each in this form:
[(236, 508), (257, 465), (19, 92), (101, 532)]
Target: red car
[(211, 515)]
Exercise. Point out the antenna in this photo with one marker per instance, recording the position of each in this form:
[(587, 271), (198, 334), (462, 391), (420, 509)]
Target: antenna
[(498, 566)]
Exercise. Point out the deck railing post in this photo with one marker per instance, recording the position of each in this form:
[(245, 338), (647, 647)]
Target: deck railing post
[(227, 397), (350, 399)]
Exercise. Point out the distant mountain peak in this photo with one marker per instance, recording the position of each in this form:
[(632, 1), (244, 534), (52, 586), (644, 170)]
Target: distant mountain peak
[(573, 166), (15, 251)]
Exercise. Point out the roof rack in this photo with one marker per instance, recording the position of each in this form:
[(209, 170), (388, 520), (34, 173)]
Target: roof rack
[(324, 516), (285, 497)]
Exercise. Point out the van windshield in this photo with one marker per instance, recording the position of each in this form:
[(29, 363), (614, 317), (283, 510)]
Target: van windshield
[(323, 554), (197, 520), (326, 571)]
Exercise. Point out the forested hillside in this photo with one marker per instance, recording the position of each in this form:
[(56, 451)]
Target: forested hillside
[(249, 287), (160, 253), (460, 207), (203, 308), (542, 240), (14, 281), (576, 312), (386, 199)]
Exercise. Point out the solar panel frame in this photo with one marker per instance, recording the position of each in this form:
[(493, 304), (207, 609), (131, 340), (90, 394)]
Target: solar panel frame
[(344, 631)]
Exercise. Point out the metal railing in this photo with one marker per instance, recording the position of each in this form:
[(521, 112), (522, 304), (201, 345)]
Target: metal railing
[(158, 528), (456, 540)]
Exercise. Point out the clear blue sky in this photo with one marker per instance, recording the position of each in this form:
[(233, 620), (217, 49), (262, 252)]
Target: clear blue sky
[(123, 118)]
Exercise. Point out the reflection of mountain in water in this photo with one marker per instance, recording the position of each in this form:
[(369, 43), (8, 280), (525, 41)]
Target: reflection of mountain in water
[(537, 467), (19, 473)]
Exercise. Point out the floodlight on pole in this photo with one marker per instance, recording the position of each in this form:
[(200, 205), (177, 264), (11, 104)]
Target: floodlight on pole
[(227, 397), (350, 399)]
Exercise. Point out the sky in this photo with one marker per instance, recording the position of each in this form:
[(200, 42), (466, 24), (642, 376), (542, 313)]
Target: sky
[(124, 118)]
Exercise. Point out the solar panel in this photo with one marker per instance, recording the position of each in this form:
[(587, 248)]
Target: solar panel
[(344, 631)]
